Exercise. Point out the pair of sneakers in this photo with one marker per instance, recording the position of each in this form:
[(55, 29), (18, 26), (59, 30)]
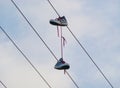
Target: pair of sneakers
[(61, 21), (62, 65)]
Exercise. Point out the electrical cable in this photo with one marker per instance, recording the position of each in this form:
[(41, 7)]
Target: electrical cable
[(25, 57), (53, 8), (3, 84), (83, 48), (91, 58), (41, 39), (34, 29)]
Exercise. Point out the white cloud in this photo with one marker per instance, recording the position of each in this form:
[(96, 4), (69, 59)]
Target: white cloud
[(18, 73), (87, 20)]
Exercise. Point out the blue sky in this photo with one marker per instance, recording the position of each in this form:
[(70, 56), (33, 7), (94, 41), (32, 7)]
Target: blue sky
[(95, 23)]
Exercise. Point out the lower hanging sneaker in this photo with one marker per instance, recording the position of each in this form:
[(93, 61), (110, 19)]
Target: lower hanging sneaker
[(61, 21), (62, 65)]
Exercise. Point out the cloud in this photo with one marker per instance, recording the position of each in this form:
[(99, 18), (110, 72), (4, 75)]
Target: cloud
[(95, 25), (17, 71)]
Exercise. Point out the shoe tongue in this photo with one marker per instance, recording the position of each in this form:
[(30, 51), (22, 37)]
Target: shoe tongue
[(61, 59)]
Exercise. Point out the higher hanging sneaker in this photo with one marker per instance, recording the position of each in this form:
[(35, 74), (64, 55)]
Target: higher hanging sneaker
[(62, 65), (61, 21)]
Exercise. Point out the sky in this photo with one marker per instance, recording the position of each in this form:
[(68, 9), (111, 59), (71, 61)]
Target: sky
[(95, 23)]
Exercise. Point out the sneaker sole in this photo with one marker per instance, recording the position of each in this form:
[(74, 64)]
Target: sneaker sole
[(63, 68)]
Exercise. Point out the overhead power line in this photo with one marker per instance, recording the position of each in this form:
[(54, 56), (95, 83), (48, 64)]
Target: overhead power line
[(3, 84), (34, 29), (42, 40), (25, 57), (91, 58), (83, 47)]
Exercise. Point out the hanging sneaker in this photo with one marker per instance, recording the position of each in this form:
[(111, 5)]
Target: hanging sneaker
[(62, 65), (61, 21)]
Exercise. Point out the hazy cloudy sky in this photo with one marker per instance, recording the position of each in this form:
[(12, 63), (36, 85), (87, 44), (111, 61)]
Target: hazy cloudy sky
[(96, 23)]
